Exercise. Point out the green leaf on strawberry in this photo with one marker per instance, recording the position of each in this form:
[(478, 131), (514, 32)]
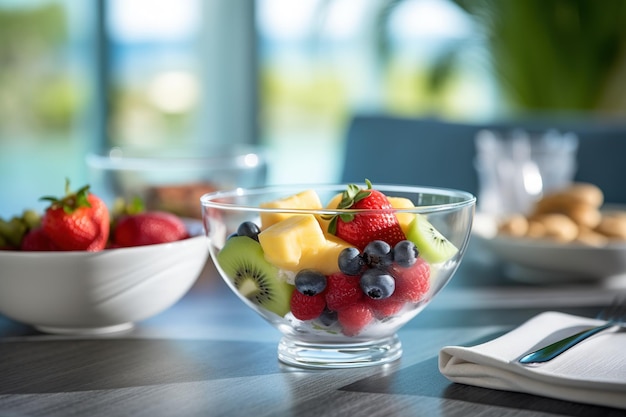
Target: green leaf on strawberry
[(71, 201), (352, 195)]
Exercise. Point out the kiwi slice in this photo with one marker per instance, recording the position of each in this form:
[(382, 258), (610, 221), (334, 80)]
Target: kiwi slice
[(242, 260), (431, 244)]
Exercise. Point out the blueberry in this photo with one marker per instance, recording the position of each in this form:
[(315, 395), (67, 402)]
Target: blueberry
[(378, 254), (249, 229), (377, 283), (405, 253), (351, 262), (310, 282), (328, 317)]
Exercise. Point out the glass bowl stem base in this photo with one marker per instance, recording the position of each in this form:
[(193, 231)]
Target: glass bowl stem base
[(339, 355)]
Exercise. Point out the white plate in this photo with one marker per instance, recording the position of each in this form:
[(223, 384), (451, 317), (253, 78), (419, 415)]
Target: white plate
[(547, 262)]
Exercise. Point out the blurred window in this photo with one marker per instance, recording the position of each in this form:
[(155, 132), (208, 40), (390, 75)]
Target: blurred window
[(321, 61), (153, 71), (47, 81), (78, 76), (182, 72)]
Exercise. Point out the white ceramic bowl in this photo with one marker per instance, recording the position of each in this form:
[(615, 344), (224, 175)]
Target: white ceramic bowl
[(538, 261), (97, 292), (325, 340), (174, 179)]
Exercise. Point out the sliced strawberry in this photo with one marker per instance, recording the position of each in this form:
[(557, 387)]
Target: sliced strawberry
[(342, 291), (77, 221), (306, 307), (148, 228), (412, 283), (354, 318), (360, 229)]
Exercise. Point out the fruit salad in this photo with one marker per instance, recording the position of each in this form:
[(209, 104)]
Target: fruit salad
[(349, 274)]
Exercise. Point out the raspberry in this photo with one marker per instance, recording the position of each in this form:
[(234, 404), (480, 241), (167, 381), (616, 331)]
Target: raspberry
[(342, 291), (354, 318), (412, 283), (305, 307), (385, 307)]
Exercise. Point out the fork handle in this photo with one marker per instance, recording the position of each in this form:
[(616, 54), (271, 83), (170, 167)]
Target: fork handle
[(555, 349)]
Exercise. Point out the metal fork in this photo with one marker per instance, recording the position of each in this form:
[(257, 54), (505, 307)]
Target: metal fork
[(614, 315)]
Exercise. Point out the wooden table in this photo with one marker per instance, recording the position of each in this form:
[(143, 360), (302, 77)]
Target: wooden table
[(209, 355)]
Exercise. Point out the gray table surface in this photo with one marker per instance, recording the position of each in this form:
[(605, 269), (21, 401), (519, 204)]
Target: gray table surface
[(209, 355)]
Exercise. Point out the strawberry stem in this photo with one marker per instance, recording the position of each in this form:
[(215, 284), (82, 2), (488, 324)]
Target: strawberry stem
[(71, 201)]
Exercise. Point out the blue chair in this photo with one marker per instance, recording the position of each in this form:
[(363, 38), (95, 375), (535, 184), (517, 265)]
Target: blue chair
[(433, 152)]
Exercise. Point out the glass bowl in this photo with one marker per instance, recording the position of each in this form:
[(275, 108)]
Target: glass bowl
[(173, 179), (338, 303)]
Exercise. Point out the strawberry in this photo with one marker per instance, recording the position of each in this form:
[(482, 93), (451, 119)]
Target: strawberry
[(342, 291), (359, 229), (412, 283), (354, 318), (307, 307), (148, 228), (37, 240), (77, 221)]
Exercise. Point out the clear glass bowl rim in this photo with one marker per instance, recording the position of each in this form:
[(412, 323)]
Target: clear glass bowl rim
[(211, 200), (120, 158)]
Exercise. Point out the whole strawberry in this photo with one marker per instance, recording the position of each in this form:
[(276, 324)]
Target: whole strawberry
[(360, 229), (148, 228), (78, 221)]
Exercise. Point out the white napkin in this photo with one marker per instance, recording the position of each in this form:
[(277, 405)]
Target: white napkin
[(593, 372)]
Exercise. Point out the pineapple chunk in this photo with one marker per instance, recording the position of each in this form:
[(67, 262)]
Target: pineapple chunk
[(307, 199), (298, 242), (403, 218), (325, 258), (286, 242)]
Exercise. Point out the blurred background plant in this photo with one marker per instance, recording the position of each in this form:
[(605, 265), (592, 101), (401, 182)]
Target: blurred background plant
[(35, 94), (544, 55)]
